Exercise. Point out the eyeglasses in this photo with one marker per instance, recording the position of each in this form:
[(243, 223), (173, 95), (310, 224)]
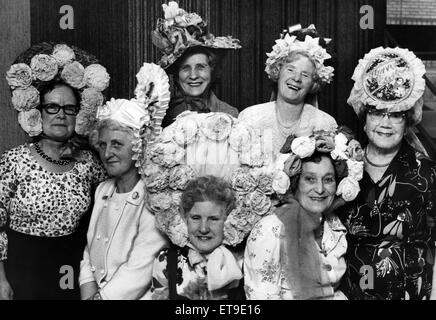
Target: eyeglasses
[(69, 109), (394, 117)]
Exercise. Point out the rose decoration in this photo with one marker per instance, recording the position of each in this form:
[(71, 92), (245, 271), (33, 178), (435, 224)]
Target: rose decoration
[(96, 77), (73, 74), (264, 184), (281, 182), (292, 165), (172, 224), (325, 144), (63, 54), (159, 202), (240, 137), (258, 202), (242, 181), (91, 100), (31, 122), (185, 131), (44, 67), (19, 76), (340, 147), (217, 126), (355, 169), (25, 99), (303, 146), (156, 178), (84, 122), (167, 154), (180, 177), (348, 188)]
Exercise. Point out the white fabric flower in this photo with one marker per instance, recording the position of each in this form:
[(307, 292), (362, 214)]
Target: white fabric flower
[(19, 76), (25, 99), (73, 74), (44, 67), (340, 147), (63, 54), (303, 146), (96, 77), (348, 188), (31, 122), (281, 182), (355, 169), (84, 122), (91, 100)]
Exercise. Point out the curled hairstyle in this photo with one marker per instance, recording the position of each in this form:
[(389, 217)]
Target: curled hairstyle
[(110, 124), (49, 86), (208, 188)]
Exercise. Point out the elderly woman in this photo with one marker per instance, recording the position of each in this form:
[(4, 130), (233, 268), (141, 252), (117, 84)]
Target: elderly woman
[(298, 252), (203, 269), (122, 238), (296, 66), (391, 247), (46, 185), (194, 62)]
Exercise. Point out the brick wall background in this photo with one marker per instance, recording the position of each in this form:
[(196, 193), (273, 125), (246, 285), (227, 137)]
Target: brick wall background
[(415, 12)]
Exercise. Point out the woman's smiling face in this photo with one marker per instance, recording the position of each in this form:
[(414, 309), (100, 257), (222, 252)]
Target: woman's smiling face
[(195, 74), (296, 79), (316, 186)]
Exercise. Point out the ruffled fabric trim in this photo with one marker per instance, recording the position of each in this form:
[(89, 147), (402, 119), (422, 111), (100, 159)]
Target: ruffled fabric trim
[(359, 96)]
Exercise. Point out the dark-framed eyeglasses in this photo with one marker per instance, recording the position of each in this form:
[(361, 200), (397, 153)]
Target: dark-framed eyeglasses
[(394, 117), (54, 108)]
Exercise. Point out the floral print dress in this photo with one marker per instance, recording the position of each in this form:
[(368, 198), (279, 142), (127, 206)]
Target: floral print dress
[(390, 243), (41, 203), (264, 263)]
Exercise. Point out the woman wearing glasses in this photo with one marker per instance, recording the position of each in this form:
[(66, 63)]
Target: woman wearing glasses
[(390, 245), (46, 185)]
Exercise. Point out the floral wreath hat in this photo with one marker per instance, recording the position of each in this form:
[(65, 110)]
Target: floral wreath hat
[(389, 78), (197, 144), (144, 113), (297, 39), (181, 30), (45, 62)]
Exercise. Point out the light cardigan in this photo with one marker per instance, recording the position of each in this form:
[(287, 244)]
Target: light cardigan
[(121, 245), (263, 119)]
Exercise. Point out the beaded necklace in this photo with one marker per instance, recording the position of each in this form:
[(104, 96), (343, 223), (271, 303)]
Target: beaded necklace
[(48, 158)]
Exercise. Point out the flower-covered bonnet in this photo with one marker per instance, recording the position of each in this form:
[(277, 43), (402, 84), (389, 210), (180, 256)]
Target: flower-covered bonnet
[(391, 79), (46, 62), (181, 30)]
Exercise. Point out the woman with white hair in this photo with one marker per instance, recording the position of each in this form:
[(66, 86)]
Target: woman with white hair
[(122, 238)]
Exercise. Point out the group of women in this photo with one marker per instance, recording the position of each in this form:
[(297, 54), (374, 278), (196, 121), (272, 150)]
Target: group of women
[(324, 235)]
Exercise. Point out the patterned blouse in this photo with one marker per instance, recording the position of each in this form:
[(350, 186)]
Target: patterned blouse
[(388, 231), (191, 278), (38, 202), (264, 271)]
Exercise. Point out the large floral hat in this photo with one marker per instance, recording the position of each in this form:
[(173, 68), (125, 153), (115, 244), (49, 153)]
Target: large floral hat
[(293, 39), (198, 144), (389, 78), (181, 30), (144, 113), (47, 62), (346, 152)]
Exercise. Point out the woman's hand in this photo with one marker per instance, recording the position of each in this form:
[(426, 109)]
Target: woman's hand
[(6, 292)]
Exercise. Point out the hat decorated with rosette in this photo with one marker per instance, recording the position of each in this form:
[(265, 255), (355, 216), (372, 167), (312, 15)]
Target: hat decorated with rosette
[(391, 79), (46, 62), (180, 30)]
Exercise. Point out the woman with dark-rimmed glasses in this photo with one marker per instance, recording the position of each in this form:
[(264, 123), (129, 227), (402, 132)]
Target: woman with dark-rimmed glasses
[(390, 235)]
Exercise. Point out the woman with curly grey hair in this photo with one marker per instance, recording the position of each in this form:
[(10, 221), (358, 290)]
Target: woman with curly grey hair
[(296, 66), (204, 268)]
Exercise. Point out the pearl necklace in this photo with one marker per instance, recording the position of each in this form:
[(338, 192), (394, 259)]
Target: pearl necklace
[(286, 130), (48, 158)]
